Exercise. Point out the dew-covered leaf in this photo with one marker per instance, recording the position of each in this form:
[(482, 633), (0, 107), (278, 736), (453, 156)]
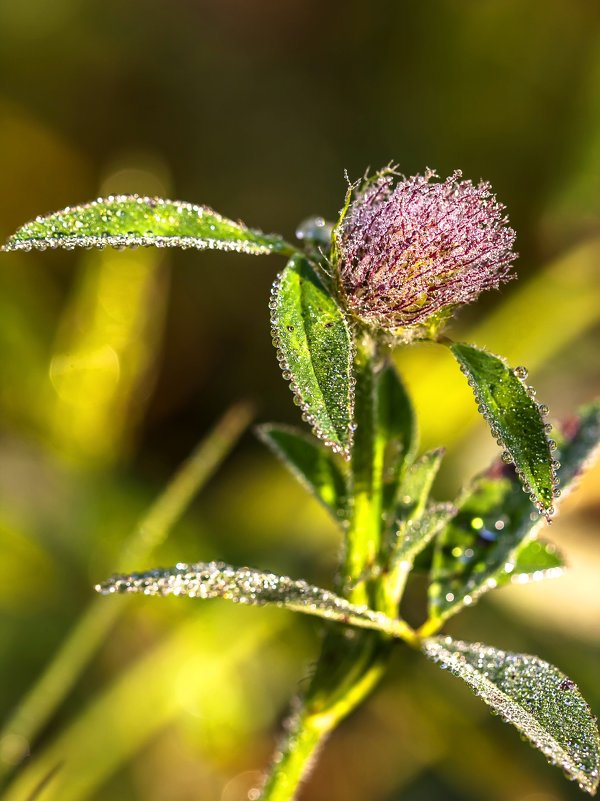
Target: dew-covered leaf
[(415, 534), (311, 463), (417, 483), (245, 585), (396, 428), (533, 560), (539, 700), (481, 545), (514, 419), (314, 348), (131, 221)]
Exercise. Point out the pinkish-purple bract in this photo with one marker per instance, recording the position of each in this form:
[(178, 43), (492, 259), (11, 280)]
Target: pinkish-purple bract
[(411, 250)]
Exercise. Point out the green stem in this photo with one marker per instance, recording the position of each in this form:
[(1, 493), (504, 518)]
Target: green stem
[(98, 619), (351, 661), (350, 665), (364, 533)]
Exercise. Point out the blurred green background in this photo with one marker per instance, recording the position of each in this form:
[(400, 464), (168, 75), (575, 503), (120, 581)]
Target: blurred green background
[(114, 365)]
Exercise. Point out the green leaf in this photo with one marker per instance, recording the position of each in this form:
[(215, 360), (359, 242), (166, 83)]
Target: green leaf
[(417, 483), (313, 465), (315, 351), (415, 534), (514, 420), (395, 425), (539, 700), (417, 523), (481, 546), (130, 221), (533, 560), (245, 585)]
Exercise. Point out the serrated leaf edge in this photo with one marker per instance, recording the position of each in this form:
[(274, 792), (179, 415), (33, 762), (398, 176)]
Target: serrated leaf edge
[(542, 410), (26, 243), (263, 431), (437, 649), (307, 414), (248, 586)]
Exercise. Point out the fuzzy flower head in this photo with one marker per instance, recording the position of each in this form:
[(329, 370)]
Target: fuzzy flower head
[(410, 251)]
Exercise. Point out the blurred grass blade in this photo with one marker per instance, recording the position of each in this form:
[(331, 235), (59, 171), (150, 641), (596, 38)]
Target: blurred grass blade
[(312, 464), (396, 427), (245, 585), (540, 701), (102, 372), (514, 420), (130, 221), (315, 351), (93, 626), (480, 547), (155, 691)]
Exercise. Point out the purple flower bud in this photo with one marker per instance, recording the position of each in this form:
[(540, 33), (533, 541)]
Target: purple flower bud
[(408, 254)]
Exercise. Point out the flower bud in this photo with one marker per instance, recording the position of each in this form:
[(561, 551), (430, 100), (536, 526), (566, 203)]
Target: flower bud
[(409, 252)]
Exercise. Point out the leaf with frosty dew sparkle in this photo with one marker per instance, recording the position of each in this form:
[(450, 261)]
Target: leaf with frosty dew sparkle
[(311, 463), (534, 560), (537, 698), (515, 420), (131, 221), (246, 585), (414, 535), (490, 540), (417, 484), (315, 352), (411, 507)]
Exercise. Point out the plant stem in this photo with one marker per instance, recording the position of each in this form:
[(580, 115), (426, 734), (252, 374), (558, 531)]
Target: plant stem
[(350, 665), (98, 619), (351, 661), (364, 533)]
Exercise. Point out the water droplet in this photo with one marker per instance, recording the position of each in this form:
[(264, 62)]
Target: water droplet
[(521, 372)]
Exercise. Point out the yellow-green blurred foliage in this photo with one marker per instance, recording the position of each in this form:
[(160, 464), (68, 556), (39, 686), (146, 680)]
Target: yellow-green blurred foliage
[(113, 365)]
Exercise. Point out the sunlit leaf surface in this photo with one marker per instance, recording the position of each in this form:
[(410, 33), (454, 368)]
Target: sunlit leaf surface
[(130, 221), (539, 700), (480, 548), (514, 419), (314, 349), (311, 463), (246, 585)]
